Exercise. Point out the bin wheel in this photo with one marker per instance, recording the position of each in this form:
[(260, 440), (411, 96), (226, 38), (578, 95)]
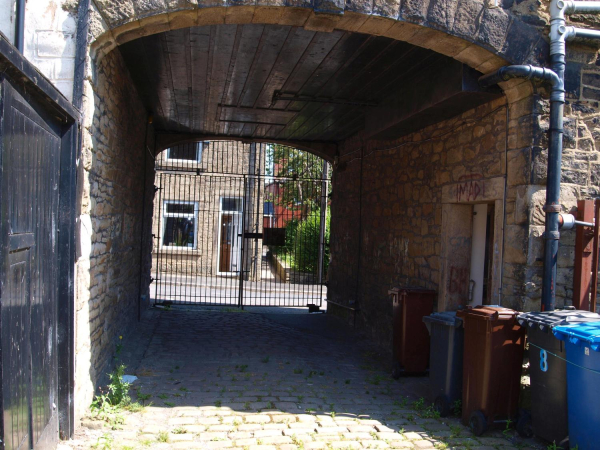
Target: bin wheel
[(396, 371), (477, 423), (524, 426), (442, 405)]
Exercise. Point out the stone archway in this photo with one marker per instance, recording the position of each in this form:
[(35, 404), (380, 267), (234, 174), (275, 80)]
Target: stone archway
[(483, 37), (468, 32)]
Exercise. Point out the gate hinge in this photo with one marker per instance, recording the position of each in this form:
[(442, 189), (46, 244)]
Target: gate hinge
[(156, 188)]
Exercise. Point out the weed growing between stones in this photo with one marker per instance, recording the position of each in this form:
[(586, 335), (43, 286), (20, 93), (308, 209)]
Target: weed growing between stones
[(109, 403), (104, 442)]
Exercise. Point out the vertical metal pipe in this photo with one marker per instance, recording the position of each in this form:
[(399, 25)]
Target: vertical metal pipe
[(552, 206), (323, 219), (20, 26)]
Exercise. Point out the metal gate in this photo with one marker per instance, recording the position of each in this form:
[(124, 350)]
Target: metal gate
[(37, 147), (240, 224)]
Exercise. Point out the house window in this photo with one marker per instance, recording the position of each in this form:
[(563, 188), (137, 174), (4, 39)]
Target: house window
[(186, 152), (179, 224), (231, 204)]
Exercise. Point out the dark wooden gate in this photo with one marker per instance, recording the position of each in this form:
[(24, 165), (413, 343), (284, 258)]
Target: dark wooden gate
[(38, 137)]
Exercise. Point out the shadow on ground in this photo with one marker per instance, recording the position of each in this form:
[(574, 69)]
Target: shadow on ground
[(261, 380)]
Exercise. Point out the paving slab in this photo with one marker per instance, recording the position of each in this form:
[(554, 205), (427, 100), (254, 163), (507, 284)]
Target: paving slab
[(250, 380)]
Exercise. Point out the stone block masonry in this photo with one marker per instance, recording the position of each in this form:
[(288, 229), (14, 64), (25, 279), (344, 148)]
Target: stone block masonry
[(405, 202), (111, 235)]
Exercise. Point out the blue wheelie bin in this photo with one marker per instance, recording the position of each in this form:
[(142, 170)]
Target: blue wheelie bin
[(582, 342)]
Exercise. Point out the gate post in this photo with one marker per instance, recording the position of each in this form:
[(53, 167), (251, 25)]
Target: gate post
[(583, 256)]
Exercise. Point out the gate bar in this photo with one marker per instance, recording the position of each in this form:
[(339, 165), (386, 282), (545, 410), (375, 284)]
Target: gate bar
[(323, 223), (242, 259)]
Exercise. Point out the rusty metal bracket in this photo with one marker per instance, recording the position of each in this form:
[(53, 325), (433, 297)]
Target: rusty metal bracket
[(552, 208)]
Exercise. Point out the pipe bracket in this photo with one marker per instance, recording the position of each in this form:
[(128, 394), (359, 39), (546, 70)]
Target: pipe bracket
[(552, 235), (552, 208)]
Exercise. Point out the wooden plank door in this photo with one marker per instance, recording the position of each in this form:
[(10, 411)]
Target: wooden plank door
[(31, 149)]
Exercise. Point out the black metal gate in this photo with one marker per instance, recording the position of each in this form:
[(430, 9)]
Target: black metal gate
[(240, 224), (37, 147)]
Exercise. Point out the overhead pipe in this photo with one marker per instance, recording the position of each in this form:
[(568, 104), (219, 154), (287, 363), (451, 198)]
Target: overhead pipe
[(552, 206), (20, 25)]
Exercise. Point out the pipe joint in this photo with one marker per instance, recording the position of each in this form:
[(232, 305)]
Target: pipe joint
[(552, 235), (539, 74)]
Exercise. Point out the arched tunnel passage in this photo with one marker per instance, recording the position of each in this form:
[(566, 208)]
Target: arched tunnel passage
[(414, 145), (240, 224)]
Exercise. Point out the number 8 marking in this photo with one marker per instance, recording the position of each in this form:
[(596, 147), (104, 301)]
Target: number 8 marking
[(544, 360)]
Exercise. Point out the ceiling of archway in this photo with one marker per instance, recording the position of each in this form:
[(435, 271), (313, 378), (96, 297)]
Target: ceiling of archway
[(288, 83)]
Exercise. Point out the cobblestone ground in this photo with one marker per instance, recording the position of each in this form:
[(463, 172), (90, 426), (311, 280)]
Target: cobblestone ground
[(217, 379)]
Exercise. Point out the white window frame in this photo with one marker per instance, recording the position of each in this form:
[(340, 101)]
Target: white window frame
[(227, 211), (166, 215), (198, 160)]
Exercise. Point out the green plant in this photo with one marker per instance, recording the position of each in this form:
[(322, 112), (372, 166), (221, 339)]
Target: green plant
[(419, 404), (270, 405), (179, 430), (553, 446), (430, 413), (184, 389), (347, 382), (242, 368), (297, 371), (104, 442), (109, 403), (265, 359), (169, 404), (247, 406), (306, 255), (457, 408), (299, 443), (143, 397), (162, 436), (508, 429), (455, 431), (134, 407)]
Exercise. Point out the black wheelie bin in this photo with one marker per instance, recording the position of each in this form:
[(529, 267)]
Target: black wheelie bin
[(548, 372)]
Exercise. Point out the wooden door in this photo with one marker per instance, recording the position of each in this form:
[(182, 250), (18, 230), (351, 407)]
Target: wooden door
[(226, 244), (31, 150)]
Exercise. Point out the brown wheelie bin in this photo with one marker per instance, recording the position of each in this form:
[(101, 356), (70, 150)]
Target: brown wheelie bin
[(411, 338), (492, 364)]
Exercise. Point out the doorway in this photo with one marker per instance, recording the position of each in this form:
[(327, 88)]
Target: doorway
[(230, 235)]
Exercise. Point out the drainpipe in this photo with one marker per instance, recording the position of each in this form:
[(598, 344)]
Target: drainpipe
[(552, 206), (20, 25), (559, 34)]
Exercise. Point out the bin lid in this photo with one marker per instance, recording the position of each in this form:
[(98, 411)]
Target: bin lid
[(587, 334), (409, 289), (547, 320), (447, 318), (488, 313)]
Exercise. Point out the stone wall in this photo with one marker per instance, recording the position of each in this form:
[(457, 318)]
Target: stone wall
[(50, 32), (403, 204), (113, 242), (397, 207)]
